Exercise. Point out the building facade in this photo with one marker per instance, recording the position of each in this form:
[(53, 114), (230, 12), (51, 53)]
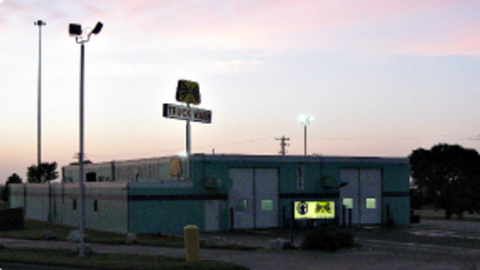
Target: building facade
[(221, 192)]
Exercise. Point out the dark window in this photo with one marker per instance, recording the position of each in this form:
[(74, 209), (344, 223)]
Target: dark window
[(74, 204), (91, 177), (95, 206)]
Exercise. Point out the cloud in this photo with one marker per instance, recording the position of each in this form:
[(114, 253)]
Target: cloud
[(387, 26), (368, 26)]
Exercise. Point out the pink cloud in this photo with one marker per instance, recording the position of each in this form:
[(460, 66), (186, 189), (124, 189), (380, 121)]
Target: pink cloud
[(266, 24)]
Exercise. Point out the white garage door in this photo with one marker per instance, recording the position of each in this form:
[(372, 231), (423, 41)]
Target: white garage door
[(362, 195), (254, 197)]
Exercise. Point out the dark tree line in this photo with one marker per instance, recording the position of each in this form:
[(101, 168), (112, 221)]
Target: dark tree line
[(13, 179), (41, 174), (35, 174), (447, 176)]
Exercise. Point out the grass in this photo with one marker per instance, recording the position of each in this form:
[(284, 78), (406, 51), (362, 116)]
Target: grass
[(34, 230), (107, 261)]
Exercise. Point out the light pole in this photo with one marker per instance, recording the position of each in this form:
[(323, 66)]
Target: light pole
[(305, 120), (39, 23), (76, 31)]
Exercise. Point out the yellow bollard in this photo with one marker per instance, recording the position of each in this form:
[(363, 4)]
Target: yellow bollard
[(192, 243)]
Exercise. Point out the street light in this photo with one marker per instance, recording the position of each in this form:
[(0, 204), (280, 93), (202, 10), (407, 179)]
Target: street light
[(305, 120), (39, 23), (76, 31)]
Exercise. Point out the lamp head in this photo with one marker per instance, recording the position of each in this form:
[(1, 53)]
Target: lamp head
[(305, 119), (40, 23), (75, 29), (97, 28)]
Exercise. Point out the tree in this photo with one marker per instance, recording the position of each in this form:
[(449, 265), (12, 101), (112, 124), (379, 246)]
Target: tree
[(46, 172), (448, 176), (13, 179)]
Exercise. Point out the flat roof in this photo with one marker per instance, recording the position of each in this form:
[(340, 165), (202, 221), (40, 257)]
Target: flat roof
[(258, 158), (292, 158)]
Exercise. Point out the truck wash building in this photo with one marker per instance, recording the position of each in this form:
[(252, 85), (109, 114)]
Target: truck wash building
[(221, 192)]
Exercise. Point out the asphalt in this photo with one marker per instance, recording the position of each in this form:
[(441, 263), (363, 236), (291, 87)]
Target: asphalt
[(370, 253)]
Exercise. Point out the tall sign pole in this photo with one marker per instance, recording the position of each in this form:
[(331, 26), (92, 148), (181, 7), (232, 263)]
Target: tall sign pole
[(187, 92), (188, 136)]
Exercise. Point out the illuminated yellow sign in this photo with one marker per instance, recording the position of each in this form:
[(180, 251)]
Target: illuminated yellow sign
[(188, 92), (175, 167), (314, 210)]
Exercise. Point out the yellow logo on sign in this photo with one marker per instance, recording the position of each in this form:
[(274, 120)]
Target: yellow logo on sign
[(188, 92), (323, 208)]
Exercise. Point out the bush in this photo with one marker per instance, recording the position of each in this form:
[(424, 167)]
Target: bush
[(328, 239)]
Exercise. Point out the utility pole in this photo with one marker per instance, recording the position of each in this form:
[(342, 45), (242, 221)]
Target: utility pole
[(283, 144)]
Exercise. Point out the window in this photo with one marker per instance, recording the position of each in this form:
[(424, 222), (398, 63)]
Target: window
[(74, 204), (371, 203), (240, 205), (348, 203), (91, 177), (267, 205), (95, 205)]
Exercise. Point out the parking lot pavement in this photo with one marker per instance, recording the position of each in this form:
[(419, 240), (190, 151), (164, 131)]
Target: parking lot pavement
[(379, 252)]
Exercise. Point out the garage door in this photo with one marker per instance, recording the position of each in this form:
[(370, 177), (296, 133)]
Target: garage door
[(254, 197), (362, 194)]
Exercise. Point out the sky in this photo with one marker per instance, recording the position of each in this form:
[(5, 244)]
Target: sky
[(380, 78)]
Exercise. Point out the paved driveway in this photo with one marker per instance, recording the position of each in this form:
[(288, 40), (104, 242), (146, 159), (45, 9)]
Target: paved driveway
[(430, 245)]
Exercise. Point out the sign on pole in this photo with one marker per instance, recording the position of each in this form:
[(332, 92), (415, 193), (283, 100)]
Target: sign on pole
[(187, 113), (188, 92)]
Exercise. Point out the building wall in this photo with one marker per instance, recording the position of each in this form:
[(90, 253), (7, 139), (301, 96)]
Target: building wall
[(166, 207), (105, 204), (396, 192), (141, 170), (143, 199), (17, 198), (314, 179)]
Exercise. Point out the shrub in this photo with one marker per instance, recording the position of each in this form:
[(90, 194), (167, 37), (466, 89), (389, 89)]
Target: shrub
[(328, 239)]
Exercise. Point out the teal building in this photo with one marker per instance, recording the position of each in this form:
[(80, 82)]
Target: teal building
[(223, 192)]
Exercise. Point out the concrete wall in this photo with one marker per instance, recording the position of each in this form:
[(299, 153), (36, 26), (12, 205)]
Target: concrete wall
[(17, 198), (106, 204)]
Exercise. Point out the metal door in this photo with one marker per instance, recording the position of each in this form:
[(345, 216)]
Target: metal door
[(266, 198), (241, 197), (349, 195), (212, 211), (370, 196)]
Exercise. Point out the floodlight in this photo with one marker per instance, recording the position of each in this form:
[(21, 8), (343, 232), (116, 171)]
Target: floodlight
[(97, 28), (305, 119), (40, 23), (75, 29)]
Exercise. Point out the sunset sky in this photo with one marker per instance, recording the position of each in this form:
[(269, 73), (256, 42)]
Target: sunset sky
[(380, 78)]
